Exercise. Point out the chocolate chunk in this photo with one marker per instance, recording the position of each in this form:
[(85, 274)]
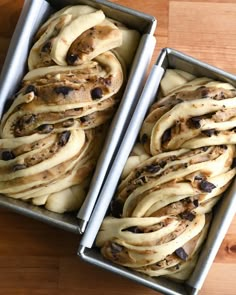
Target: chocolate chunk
[(84, 119), (71, 58), (206, 186), (144, 138), (137, 174), (64, 137), (116, 248), (134, 229), (116, 208), (96, 93), (222, 95), (77, 109), (172, 158), (201, 87), (7, 155), (205, 148), (166, 136), (45, 128), (209, 132), (108, 81), (46, 47), (153, 168), (195, 203), (162, 163), (204, 92), (188, 200), (224, 146), (194, 122), (144, 179), (233, 165), (63, 90), (187, 215), (181, 254), (197, 177), (18, 167), (30, 88)]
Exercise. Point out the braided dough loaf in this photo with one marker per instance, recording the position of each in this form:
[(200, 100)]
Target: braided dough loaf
[(179, 170), (52, 134)]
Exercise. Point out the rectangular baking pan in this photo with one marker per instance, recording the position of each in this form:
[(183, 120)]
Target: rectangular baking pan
[(223, 213), (15, 66)]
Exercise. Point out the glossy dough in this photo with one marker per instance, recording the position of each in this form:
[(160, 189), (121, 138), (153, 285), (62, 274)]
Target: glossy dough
[(180, 168), (53, 132)]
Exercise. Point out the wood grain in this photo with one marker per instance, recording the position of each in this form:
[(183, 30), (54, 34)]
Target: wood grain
[(36, 259), (207, 39)]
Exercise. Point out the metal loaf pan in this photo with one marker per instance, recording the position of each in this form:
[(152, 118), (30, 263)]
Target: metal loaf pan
[(33, 14), (224, 212)]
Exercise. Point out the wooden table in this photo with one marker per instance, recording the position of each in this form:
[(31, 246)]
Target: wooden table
[(38, 259)]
